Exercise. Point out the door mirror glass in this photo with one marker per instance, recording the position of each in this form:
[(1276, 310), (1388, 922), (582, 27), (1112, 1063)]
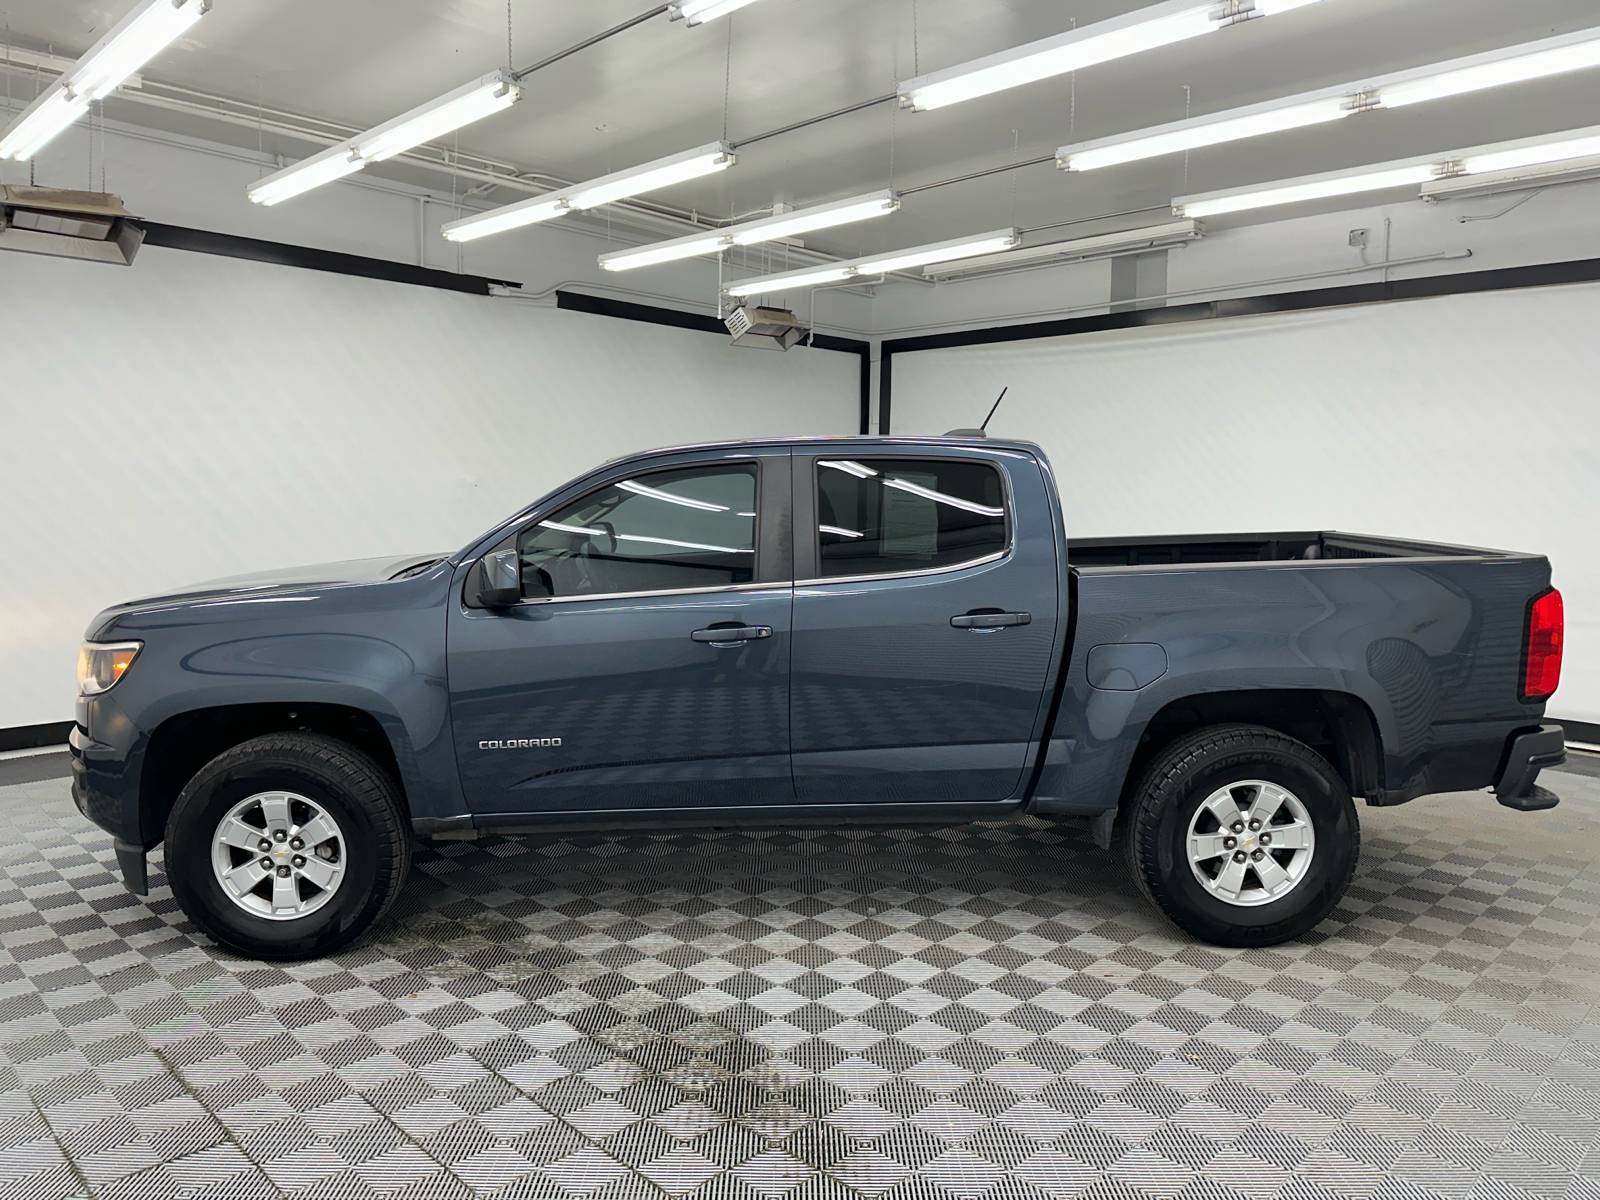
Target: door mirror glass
[(667, 531), (498, 585)]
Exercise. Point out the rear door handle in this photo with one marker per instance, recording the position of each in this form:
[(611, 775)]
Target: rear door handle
[(991, 619), (731, 635)]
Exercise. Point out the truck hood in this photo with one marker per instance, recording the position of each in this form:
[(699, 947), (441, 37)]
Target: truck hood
[(334, 574)]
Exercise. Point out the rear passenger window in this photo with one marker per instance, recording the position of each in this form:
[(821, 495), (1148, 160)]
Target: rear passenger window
[(880, 516), (663, 532)]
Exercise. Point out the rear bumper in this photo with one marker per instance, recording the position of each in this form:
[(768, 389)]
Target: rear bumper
[(1527, 753)]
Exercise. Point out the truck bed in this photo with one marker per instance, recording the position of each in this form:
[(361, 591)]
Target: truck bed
[(1198, 549)]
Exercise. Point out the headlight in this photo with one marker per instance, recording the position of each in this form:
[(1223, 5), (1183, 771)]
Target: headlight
[(101, 664)]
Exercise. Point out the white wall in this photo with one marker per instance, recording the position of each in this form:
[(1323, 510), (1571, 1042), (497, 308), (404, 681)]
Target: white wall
[(196, 416), (1468, 419)]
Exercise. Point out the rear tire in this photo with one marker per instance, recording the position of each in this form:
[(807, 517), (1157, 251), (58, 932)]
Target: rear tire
[(288, 846), (1195, 835)]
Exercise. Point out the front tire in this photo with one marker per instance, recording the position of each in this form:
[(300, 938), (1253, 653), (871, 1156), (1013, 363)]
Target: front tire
[(287, 846), (1242, 836)]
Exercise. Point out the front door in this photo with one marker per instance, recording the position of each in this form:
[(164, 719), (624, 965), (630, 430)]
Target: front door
[(647, 666), (923, 624)]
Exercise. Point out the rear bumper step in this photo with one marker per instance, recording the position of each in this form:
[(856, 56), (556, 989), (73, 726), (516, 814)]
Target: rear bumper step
[(1527, 755)]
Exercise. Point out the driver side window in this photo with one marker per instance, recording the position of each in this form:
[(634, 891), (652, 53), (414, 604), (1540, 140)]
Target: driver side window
[(665, 531)]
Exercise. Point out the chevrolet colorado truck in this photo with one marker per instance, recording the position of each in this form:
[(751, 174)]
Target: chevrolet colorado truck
[(787, 632)]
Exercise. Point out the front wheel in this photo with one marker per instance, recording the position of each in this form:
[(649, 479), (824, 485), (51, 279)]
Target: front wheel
[(287, 846), (1242, 836)]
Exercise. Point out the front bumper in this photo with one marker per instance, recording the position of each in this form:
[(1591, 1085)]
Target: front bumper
[(1527, 754), (92, 764)]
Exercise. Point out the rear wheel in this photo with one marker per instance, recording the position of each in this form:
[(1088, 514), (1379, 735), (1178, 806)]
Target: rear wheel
[(287, 846), (1242, 836)]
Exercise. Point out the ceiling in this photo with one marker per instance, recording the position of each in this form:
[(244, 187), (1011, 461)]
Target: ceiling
[(659, 88)]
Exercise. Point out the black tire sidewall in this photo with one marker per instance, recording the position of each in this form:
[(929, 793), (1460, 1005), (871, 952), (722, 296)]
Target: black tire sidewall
[(194, 821), (1333, 821)]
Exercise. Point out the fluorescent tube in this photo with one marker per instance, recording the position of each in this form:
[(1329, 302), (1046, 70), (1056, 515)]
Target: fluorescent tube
[(1144, 29), (1294, 191), (1531, 60), (810, 277), (1191, 135), (664, 252), (1532, 155), (881, 264), (471, 102), (45, 118), (750, 233), (147, 29), (699, 11), (919, 256), (664, 172), (1099, 246), (1497, 68), (510, 216), (333, 163), (817, 216), (1440, 175), (691, 164)]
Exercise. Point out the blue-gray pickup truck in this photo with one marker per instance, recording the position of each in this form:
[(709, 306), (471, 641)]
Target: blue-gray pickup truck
[(861, 630)]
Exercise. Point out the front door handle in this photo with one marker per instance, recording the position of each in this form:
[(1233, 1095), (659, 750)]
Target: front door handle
[(731, 635), (990, 618)]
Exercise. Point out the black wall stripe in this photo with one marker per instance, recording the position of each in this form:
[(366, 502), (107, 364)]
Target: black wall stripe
[(1585, 270), (628, 310), (30, 737), (227, 245)]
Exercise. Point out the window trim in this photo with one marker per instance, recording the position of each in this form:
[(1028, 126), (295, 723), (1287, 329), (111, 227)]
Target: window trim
[(759, 551), (813, 468)]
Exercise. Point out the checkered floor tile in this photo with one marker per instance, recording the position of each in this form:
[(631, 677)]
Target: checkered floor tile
[(983, 1011)]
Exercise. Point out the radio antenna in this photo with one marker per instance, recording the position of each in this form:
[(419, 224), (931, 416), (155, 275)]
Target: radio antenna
[(985, 426)]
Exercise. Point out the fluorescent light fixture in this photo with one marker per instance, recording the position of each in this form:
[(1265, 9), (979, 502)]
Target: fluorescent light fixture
[(817, 216), (333, 163), (664, 172), (1311, 187), (919, 256), (1100, 246), (880, 264), (840, 531), (1573, 154), (809, 277), (1205, 131), (1535, 60), (1532, 154), (1132, 33), (509, 216), (662, 252), (750, 233), (471, 102), (697, 12), (679, 168), (147, 29), (1531, 60)]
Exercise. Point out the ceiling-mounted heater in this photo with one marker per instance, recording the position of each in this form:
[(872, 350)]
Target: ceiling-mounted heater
[(87, 225), (765, 328)]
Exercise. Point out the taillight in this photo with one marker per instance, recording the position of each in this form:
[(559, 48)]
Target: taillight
[(1541, 663)]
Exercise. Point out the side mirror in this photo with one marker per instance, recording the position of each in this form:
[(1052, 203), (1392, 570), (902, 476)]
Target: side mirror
[(499, 580)]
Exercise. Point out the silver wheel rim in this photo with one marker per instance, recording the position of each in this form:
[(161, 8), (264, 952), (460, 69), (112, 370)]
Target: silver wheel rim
[(1250, 843), (278, 855)]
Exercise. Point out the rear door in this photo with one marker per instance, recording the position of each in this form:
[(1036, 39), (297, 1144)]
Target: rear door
[(647, 666), (924, 616)]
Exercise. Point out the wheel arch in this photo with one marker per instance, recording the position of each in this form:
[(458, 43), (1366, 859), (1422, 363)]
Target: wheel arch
[(186, 741), (1339, 726)]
